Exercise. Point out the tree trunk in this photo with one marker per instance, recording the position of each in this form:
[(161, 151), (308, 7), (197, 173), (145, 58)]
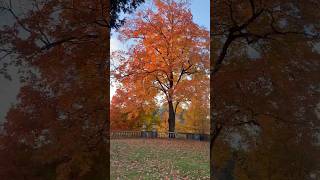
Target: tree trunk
[(171, 119), (172, 114)]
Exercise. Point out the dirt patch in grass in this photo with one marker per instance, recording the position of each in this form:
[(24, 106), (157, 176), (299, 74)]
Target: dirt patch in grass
[(159, 159)]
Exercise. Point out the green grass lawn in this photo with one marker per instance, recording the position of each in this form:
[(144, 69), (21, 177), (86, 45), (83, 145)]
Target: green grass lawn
[(159, 159)]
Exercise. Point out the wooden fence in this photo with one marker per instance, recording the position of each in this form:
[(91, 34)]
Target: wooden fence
[(153, 134), (125, 134)]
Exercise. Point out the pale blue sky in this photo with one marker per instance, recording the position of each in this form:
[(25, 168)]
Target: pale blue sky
[(200, 10)]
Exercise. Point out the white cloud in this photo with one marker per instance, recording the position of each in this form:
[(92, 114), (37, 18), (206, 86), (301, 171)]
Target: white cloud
[(115, 45), (112, 91)]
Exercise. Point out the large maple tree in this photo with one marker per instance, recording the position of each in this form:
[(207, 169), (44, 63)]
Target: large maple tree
[(169, 55)]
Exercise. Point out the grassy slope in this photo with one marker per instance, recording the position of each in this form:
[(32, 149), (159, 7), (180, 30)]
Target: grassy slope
[(159, 159)]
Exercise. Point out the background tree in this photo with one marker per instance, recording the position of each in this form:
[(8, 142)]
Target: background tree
[(169, 50), (121, 6), (130, 109)]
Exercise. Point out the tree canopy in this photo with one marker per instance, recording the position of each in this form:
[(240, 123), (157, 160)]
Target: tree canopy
[(264, 89), (59, 127)]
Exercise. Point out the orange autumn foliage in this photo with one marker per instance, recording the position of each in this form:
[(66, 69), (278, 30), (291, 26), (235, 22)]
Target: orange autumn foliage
[(169, 56), (58, 129)]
